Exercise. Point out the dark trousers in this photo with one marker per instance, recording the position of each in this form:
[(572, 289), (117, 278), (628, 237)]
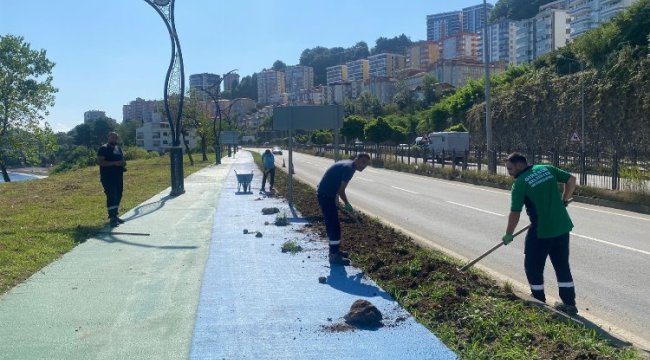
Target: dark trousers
[(332, 224), (537, 250), (271, 174), (113, 187)]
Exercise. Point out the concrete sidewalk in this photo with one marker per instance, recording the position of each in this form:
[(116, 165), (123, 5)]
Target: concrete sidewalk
[(181, 280)]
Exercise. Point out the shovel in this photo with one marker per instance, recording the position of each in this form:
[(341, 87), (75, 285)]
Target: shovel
[(471, 263)]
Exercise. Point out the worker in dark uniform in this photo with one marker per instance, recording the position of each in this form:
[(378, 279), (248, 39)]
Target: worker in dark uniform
[(548, 236), (333, 184), (111, 171)]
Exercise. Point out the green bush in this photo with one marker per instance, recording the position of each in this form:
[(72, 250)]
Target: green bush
[(133, 153), (79, 157)]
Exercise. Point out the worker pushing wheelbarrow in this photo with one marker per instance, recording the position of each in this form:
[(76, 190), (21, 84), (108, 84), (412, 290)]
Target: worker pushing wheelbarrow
[(244, 181)]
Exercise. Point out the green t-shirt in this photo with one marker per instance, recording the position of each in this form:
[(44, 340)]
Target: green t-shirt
[(536, 187)]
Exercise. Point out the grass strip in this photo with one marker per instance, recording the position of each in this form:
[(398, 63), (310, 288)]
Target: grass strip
[(43, 219)]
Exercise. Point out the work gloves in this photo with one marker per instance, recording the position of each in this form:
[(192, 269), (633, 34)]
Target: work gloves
[(347, 207), (507, 239)]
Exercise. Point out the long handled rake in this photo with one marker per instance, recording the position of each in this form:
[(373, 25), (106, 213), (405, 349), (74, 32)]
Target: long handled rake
[(471, 263)]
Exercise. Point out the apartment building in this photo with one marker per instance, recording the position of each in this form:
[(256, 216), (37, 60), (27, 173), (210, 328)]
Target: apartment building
[(458, 72), (205, 82), (461, 46), (270, 87), (473, 18), (383, 88), (502, 44), (442, 25), (155, 135), (92, 115), (229, 81), (549, 30), (357, 70), (298, 78), (385, 65), (589, 14), (422, 55), (141, 110), (336, 74)]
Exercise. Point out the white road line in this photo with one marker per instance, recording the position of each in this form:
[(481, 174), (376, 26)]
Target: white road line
[(611, 213), (612, 244), (408, 191), (364, 179), (475, 208)]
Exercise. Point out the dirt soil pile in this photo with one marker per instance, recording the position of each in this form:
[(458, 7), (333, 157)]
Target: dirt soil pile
[(363, 314)]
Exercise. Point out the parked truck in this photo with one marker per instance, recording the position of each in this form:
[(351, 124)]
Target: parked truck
[(447, 146)]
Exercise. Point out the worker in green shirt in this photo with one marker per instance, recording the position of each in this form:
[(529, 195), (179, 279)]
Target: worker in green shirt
[(548, 236)]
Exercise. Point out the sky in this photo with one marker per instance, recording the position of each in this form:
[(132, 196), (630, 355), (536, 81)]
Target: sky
[(108, 53)]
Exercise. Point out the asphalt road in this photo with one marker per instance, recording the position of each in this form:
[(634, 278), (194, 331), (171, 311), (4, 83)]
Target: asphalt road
[(610, 249)]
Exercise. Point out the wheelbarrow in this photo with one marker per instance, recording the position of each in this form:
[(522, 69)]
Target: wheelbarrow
[(244, 181)]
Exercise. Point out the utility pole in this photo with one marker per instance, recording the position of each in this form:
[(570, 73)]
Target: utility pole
[(492, 166)]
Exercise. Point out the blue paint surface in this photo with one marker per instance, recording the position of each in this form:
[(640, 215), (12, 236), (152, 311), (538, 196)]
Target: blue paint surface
[(259, 303)]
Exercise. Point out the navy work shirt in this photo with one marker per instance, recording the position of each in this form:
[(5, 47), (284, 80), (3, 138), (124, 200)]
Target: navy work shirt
[(334, 176), (110, 153)]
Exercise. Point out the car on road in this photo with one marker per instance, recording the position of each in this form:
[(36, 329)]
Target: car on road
[(277, 150)]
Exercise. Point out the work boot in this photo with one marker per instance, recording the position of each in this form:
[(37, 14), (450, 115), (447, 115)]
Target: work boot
[(119, 221), (338, 259), (344, 254), (567, 309), (114, 222)]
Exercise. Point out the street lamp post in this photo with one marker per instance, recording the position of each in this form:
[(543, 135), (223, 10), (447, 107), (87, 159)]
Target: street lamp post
[(492, 166), (583, 158), (175, 85), (214, 96)]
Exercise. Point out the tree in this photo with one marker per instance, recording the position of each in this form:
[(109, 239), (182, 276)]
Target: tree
[(353, 127), (428, 86), (26, 92), (322, 137), (378, 131), (279, 65), (396, 45)]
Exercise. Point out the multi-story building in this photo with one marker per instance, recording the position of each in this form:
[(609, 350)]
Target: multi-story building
[(337, 93), (547, 31), (589, 14), (229, 81), (461, 46), (473, 18), (442, 25), (502, 45), (357, 69), (92, 115), (205, 82), (141, 110), (385, 65), (336, 74), (270, 87), (458, 72), (155, 135), (298, 78), (422, 55), (383, 88)]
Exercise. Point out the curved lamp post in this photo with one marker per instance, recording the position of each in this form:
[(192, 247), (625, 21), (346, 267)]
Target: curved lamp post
[(174, 85), (214, 96), (583, 162)]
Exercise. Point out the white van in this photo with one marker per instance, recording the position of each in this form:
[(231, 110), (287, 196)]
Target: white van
[(447, 145)]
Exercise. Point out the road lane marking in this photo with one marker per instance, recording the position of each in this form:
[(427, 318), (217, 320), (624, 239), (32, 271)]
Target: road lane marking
[(475, 208), (612, 244), (364, 179), (611, 213), (408, 191)]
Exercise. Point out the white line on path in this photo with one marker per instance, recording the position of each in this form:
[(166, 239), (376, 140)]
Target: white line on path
[(368, 180), (612, 244), (475, 208), (611, 213), (408, 191)]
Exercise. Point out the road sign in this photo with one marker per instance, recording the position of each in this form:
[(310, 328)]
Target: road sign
[(229, 138), (575, 137), (307, 117)]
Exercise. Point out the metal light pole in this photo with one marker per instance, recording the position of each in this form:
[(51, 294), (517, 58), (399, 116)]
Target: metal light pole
[(217, 114), (492, 166), (583, 157), (174, 85)]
